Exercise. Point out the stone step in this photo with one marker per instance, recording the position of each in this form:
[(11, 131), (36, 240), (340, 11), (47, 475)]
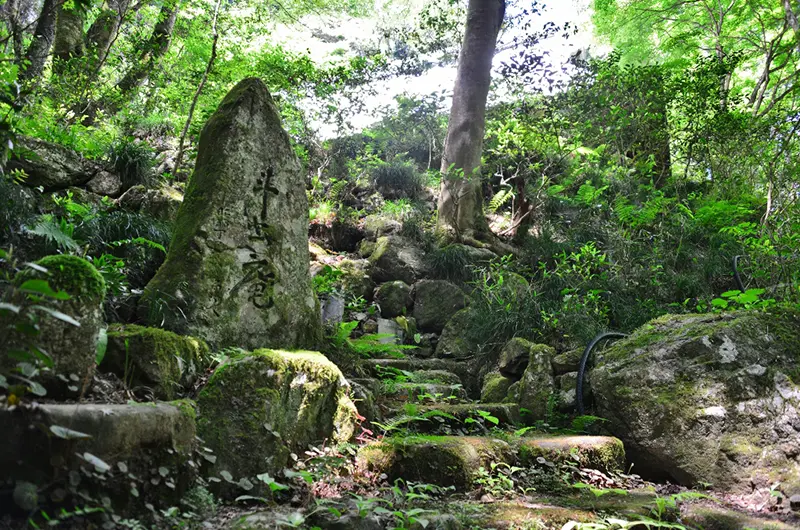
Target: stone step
[(430, 418), (456, 460), (465, 371), (141, 440), (423, 391)]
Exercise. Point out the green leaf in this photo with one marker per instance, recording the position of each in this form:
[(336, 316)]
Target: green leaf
[(102, 346), (43, 288), (99, 465), (68, 434), (57, 314)]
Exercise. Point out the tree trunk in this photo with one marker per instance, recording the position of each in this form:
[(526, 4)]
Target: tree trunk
[(155, 48), (43, 38), (460, 202), (69, 42), (104, 30)]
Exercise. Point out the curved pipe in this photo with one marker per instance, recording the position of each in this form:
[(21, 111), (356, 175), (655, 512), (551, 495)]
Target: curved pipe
[(585, 358)]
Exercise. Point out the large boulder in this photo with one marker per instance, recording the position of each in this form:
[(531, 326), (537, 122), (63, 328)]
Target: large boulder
[(237, 268), (259, 407), (160, 203), (393, 298), (435, 301), (71, 347), (537, 384), (156, 358), (397, 258), (455, 342), (50, 165), (514, 358), (708, 398)]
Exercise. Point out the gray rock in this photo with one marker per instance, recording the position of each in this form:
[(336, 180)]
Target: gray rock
[(237, 268), (390, 327), (50, 165), (537, 384), (332, 308), (435, 302), (683, 395), (259, 407), (142, 437), (393, 298), (160, 203), (794, 503), (105, 183), (453, 343), (514, 358), (72, 348), (567, 390), (397, 258)]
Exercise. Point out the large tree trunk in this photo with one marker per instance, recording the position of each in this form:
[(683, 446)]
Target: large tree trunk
[(460, 202), (153, 50), (69, 42), (43, 38), (104, 30)]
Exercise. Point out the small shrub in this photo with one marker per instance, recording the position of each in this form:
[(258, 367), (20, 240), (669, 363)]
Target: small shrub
[(451, 262), (398, 179), (132, 161)]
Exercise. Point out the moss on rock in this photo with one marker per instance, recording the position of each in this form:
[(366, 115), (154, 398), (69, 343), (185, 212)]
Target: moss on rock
[(71, 274), (155, 357), (72, 348), (693, 396), (495, 388), (260, 406)]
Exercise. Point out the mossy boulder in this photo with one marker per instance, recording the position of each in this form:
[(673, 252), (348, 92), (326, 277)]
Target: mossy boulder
[(355, 278), (454, 341), (237, 270), (514, 358), (259, 407), (442, 460), (160, 203), (397, 258), (495, 387), (708, 398), (435, 302), (566, 362), (393, 298), (49, 165), (72, 348), (537, 384), (156, 358)]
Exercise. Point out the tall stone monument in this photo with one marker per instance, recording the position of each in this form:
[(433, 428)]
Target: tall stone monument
[(236, 273)]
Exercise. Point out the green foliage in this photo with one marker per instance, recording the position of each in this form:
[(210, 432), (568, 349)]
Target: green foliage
[(327, 281), (397, 179), (132, 161)]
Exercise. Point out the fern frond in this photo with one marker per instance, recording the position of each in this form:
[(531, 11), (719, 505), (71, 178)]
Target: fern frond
[(499, 199), (54, 232)]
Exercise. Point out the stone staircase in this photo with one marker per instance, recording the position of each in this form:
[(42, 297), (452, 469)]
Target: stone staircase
[(435, 433)]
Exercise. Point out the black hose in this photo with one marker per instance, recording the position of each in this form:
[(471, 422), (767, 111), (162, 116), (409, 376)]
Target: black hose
[(585, 357), (736, 278)]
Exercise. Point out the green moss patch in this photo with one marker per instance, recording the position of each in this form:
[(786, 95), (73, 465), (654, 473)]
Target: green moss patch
[(71, 274), (155, 357)]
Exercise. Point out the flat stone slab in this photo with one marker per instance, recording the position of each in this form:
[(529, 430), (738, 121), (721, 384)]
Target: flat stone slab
[(455, 460), (507, 414), (145, 437), (463, 369), (413, 390), (435, 376)]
